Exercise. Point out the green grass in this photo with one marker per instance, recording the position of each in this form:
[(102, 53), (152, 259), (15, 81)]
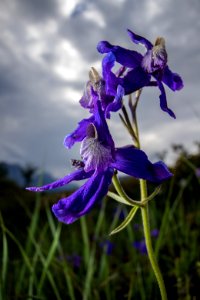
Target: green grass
[(36, 251)]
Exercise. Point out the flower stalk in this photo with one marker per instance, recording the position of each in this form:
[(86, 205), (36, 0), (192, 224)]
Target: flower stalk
[(147, 235), (145, 219)]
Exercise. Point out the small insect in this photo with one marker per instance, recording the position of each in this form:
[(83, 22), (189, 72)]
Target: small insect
[(78, 164)]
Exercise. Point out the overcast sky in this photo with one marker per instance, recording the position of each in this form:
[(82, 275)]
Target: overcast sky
[(46, 50)]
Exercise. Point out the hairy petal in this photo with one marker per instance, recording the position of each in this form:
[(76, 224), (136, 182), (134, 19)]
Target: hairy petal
[(172, 80), (76, 175), (95, 155), (79, 133), (69, 209), (135, 162), (163, 100), (137, 39)]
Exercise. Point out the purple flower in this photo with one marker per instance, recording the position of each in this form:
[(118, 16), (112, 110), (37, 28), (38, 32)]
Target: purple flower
[(197, 172), (155, 233), (99, 160), (95, 88), (141, 245), (107, 246), (140, 68), (75, 260)]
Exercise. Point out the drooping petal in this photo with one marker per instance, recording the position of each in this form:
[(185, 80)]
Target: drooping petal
[(79, 133), (111, 80), (135, 162), (116, 104), (125, 57), (104, 135), (163, 100), (76, 175), (69, 209), (172, 80), (137, 39), (161, 171)]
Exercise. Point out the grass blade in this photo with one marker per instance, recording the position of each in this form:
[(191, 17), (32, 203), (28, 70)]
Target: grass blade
[(49, 258), (66, 269)]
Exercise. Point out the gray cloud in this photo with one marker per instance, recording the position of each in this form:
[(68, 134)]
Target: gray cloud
[(39, 46)]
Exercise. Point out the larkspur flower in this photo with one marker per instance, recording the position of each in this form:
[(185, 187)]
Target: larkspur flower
[(197, 172), (140, 69), (99, 160), (95, 87), (141, 245), (108, 247), (74, 260)]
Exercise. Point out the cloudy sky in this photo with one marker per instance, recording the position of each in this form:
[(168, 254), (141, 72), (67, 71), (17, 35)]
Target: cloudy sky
[(46, 50)]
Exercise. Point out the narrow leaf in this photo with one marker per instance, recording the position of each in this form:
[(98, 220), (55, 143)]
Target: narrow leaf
[(126, 221)]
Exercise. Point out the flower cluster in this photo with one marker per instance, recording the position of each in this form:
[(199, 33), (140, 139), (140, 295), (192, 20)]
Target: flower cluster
[(103, 95), (140, 69)]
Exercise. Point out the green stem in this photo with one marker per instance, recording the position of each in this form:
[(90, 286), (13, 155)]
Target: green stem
[(124, 198), (147, 235), (145, 217)]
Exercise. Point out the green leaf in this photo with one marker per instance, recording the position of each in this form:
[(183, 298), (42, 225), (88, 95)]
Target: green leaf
[(126, 221)]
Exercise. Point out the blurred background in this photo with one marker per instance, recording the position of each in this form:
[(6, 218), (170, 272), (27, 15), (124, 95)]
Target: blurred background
[(47, 48)]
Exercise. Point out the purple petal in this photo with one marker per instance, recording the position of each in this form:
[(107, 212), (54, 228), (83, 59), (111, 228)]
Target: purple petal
[(172, 80), (116, 104), (104, 135), (137, 39), (155, 233), (69, 209), (86, 100), (79, 133), (134, 162), (163, 100), (141, 246), (76, 175), (111, 80), (161, 172), (135, 79), (125, 57)]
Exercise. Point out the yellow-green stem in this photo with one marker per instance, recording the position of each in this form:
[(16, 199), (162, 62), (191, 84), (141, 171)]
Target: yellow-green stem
[(147, 235)]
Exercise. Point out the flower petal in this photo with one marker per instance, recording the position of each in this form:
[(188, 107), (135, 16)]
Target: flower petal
[(95, 155), (100, 123), (125, 57), (86, 100), (172, 80), (78, 134), (110, 78), (135, 80), (116, 104), (163, 100), (137, 39), (76, 175), (69, 209), (134, 162)]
